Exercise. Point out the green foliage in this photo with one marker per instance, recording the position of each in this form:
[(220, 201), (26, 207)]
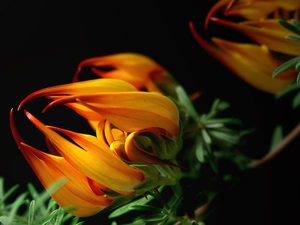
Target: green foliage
[(294, 27), (216, 137), (33, 208), (294, 90), (152, 208)]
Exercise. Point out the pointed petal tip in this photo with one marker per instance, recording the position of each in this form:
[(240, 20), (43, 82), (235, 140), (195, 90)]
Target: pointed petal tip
[(17, 137)]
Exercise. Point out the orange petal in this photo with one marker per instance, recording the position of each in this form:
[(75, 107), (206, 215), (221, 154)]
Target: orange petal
[(243, 60), (83, 87), (131, 111), (266, 34), (136, 154), (49, 169), (131, 67), (216, 7), (94, 159)]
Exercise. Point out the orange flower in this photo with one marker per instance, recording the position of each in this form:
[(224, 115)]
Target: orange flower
[(255, 62), (256, 9), (93, 166), (151, 146), (78, 190), (116, 100), (137, 69)]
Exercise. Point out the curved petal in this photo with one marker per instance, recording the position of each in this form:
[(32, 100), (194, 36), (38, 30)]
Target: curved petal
[(94, 159), (216, 7), (265, 33), (131, 67), (286, 4), (82, 87), (243, 60), (136, 154), (131, 111), (252, 11), (49, 169)]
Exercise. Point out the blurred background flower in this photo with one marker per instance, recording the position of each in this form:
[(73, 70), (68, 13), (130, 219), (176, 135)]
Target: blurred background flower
[(255, 60)]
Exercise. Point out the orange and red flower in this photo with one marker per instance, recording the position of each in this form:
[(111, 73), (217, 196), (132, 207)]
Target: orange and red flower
[(96, 165), (255, 62)]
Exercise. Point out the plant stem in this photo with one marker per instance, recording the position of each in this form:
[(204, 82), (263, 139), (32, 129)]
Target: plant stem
[(272, 153), (256, 163)]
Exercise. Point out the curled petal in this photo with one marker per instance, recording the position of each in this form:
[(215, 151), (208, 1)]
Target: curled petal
[(216, 7), (93, 158), (131, 111), (245, 60), (49, 169), (286, 4), (133, 68), (137, 154), (269, 33), (83, 87), (252, 9)]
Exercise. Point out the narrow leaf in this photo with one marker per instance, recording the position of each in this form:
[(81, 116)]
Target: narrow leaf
[(296, 24), (293, 38), (288, 26), (288, 64), (296, 101), (276, 137)]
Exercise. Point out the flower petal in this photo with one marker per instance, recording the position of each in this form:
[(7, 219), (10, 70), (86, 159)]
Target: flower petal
[(94, 159), (264, 33), (243, 60), (83, 87), (133, 68), (136, 154), (131, 111), (49, 169)]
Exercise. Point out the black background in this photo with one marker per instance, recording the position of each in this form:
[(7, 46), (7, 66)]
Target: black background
[(43, 41)]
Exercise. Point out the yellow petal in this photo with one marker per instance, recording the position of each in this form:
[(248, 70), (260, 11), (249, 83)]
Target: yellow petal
[(285, 4), (83, 87), (93, 158), (217, 6), (49, 169), (266, 34), (136, 154), (254, 9), (254, 64), (131, 111), (133, 68)]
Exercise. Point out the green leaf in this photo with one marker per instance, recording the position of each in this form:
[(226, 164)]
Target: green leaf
[(276, 137), (126, 208), (206, 136), (289, 89), (186, 102), (289, 26), (297, 66), (296, 24), (233, 121), (296, 101), (7, 194), (31, 212), (149, 219), (148, 208), (293, 38), (286, 65), (15, 207), (231, 138), (199, 148)]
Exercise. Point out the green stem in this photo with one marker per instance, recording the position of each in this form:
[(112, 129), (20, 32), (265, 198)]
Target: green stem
[(282, 145)]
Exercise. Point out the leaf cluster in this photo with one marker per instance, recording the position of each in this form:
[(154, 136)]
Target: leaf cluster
[(32, 207)]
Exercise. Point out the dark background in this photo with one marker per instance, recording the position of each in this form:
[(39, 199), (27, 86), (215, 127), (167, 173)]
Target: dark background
[(42, 42)]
